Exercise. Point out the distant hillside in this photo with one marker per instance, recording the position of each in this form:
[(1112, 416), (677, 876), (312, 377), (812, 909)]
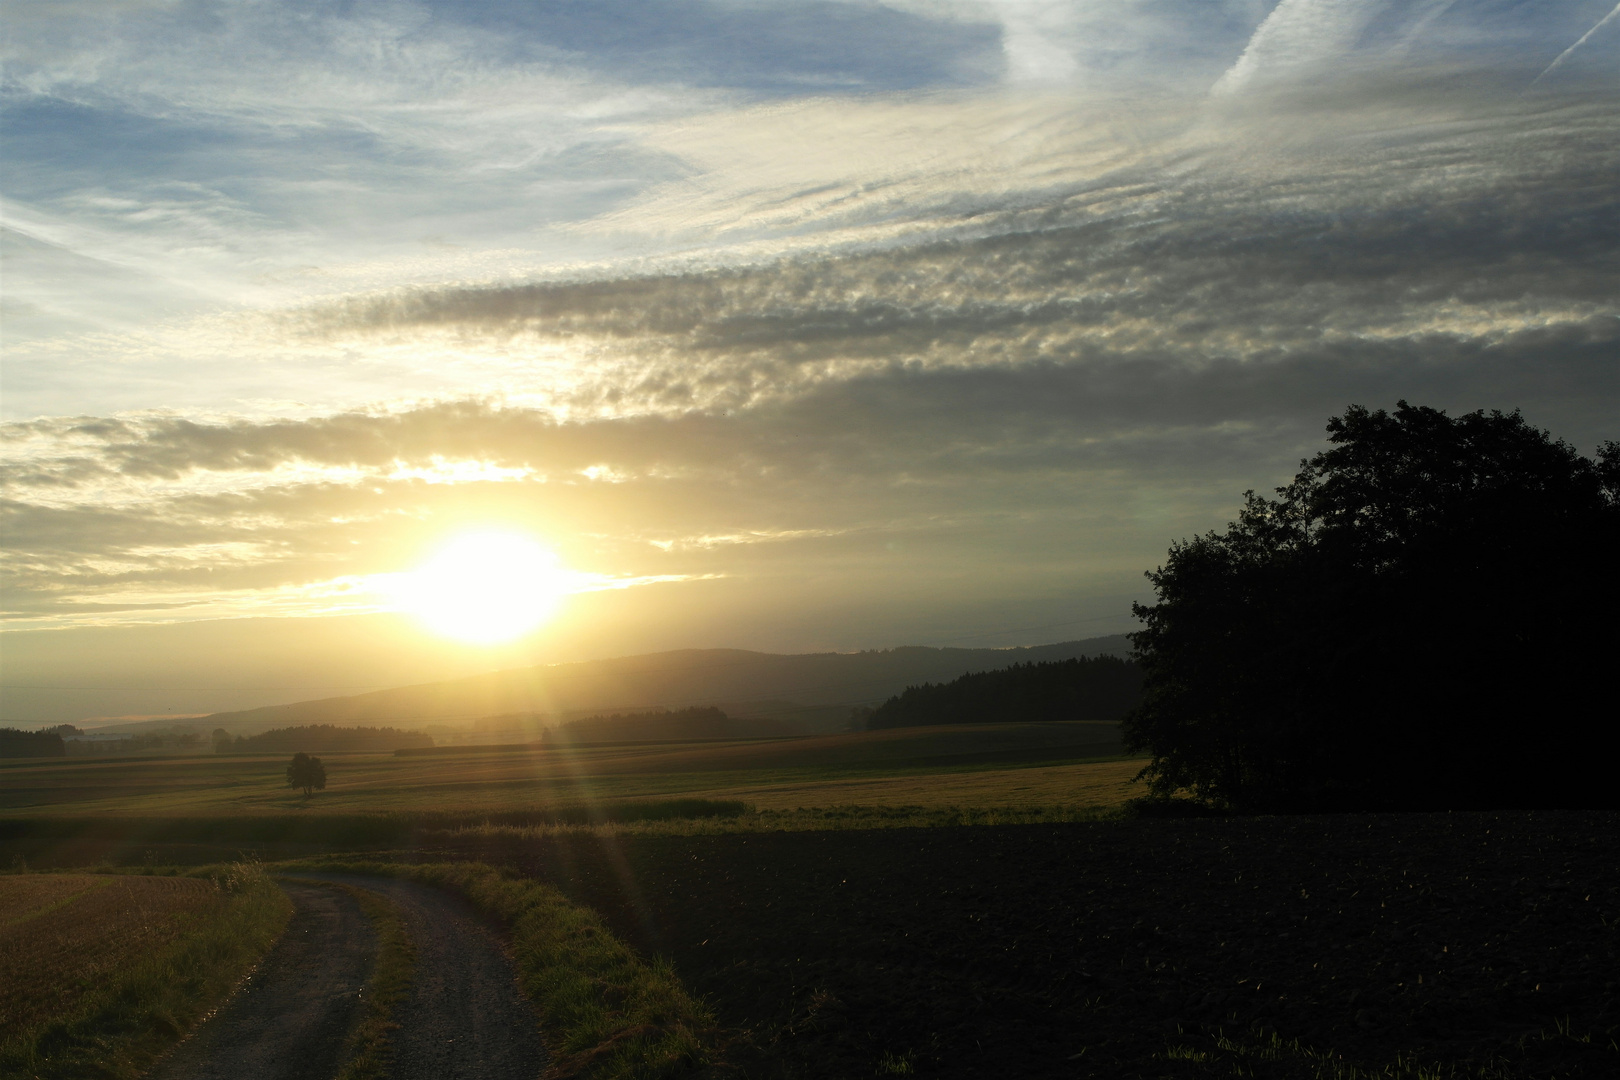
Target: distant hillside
[(814, 683), (319, 738), (1096, 688)]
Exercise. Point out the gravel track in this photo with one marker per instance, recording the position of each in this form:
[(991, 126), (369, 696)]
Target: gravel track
[(289, 1021), (464, 1018)]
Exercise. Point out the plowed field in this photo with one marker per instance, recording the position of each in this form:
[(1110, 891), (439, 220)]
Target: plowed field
[(1488, 944)]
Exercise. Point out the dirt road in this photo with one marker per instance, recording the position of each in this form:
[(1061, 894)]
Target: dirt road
[(465, 1017), (290, 1020)]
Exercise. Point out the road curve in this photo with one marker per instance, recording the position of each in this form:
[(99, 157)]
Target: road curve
[(289, 1021), (464, 1017)]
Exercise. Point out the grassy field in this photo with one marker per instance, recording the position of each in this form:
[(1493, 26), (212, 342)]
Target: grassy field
[(979, 766), (100, 974)]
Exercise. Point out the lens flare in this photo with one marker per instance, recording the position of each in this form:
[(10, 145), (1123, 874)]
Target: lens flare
[(485, 588)]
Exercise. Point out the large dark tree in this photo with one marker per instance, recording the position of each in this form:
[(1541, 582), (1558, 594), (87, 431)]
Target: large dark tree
[(1424, 618)]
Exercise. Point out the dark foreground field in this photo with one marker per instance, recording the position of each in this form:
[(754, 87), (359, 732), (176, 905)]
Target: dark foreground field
[(1210, 947)]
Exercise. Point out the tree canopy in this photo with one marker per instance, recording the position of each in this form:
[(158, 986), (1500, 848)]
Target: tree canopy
[(306, 772), (1424, 618)]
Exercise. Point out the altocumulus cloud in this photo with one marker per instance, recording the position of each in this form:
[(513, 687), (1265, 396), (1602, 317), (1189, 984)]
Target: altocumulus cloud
[(1039, 331)]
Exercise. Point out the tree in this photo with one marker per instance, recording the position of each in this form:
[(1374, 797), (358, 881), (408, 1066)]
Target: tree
[(306, 772), (222, 741), (1424, 618)]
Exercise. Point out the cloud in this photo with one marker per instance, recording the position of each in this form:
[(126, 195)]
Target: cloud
[(1013, 339)]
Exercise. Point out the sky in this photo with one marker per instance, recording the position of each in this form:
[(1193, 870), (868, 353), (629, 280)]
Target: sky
[(790, 326)]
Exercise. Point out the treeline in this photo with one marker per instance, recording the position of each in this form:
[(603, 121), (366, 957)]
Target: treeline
[(15, 743), (186, 741), (1086, 688), (314, 738)]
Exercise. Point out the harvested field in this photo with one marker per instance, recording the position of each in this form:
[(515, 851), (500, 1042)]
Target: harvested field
[(49, 961), (1483, 943)]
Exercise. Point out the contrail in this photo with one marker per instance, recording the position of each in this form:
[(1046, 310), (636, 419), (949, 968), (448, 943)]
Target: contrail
[(1565, 54)]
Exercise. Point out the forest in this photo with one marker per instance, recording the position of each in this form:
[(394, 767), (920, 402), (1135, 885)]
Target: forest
[(1085, 688)]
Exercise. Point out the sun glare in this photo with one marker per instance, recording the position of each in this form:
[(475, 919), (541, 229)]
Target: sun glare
[(485, 588)]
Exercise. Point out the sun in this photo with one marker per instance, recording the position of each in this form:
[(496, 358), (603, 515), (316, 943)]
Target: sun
[(485, 587)]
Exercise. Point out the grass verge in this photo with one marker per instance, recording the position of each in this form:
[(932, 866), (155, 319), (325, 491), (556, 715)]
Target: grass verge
[(605, 1013), (142, 1007), (370, 1049)]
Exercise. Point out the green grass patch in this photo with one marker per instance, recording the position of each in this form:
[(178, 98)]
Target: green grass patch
[(148, 1001), (606, 1014)]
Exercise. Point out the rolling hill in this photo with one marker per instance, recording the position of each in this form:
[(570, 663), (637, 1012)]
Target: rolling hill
[(810, 691)]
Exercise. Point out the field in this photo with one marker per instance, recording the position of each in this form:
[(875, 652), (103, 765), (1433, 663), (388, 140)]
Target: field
[(98, 973), (63, 935), (931, 766), (1403, 946), (833, 938)]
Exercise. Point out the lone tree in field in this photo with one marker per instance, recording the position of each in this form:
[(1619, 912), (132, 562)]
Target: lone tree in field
[(306, 772), (1425, 618)]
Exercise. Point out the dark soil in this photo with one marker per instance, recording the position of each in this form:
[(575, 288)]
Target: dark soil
[(1484, 941), (291, 1019)]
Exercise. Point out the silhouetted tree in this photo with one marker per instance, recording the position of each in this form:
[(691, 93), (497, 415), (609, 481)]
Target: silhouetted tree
[(222, 741), (1424, 618), (306, 772)]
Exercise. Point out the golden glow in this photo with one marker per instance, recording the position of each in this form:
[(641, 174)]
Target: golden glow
[(485, 587)]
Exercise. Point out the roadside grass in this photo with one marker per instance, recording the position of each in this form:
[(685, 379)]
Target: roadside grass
[(605, 1013), (370, 1049), (104, 984)]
